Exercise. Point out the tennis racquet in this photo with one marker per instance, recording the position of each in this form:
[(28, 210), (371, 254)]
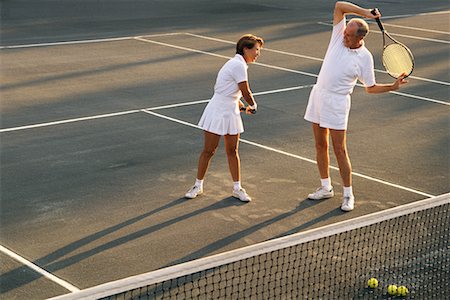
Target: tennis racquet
[(397, 58)]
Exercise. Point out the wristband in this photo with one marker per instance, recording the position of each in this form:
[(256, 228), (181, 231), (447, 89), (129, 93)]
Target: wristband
[(254, 106)]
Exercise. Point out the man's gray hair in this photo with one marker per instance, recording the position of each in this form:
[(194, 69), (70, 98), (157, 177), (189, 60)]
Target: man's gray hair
[(363, 27)]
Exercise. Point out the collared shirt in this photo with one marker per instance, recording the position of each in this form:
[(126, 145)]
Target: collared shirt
[(343, 66), (230, 75)]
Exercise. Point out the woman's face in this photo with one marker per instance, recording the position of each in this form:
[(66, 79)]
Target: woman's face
[(251, 55)]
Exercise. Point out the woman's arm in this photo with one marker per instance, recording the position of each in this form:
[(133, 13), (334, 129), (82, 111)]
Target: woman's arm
[(247, 93)]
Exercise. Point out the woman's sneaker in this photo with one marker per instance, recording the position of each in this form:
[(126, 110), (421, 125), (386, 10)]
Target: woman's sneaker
[(194, 192), (242, 195), (321, 193), (348, 203)]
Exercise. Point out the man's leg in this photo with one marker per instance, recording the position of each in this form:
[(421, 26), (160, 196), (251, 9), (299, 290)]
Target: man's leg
[(323, 163), (339, 138), (322, 153)]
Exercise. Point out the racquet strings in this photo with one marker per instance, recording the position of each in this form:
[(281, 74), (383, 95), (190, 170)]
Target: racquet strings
[(397, 60)]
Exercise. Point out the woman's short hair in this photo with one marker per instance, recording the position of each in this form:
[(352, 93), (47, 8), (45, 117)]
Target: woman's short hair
[(248, 41)]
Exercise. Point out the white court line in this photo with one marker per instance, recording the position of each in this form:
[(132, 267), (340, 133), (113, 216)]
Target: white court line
[(280, 68), (398, 34), (82, 41), (265, 49), (207, 100), (412, 28), (421, 14), (314, 58), (68, 121), (420, 98), (38, 269), (296, 156), (138, 110), (221, 56)]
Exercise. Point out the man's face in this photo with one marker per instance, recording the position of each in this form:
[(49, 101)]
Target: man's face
[(350, 39)]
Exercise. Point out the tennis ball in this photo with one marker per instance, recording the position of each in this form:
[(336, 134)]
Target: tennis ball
[(392, 289), (402, 290), (372, 283)]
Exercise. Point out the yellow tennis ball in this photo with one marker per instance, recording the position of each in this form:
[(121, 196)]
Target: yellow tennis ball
[(372, 283), (392, 289), (402, 290)]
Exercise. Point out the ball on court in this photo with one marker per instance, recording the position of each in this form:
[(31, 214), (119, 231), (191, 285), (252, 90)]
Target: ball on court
[(402, 290), (372, 283), (392, 289)]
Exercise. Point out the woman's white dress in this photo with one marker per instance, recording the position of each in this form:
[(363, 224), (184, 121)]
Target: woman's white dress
[(222, 116)]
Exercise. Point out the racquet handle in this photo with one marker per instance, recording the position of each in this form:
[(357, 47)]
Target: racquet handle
[(374, 12)]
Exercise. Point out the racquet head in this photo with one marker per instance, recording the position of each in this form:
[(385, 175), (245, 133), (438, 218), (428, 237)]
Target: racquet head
[(398, 59)]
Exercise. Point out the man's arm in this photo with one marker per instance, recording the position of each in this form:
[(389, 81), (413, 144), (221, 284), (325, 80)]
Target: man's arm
[(379, 88), (342, 8)]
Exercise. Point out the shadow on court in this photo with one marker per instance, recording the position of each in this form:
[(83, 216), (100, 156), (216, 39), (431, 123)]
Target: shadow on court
[(51, 263)]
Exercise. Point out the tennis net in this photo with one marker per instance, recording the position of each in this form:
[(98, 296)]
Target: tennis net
[(406, 245)]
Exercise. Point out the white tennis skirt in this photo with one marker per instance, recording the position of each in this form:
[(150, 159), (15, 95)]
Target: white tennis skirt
[(221, 116)]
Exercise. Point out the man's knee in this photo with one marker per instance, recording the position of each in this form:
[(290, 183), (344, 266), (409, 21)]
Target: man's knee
[(322, 145), (340, 150)]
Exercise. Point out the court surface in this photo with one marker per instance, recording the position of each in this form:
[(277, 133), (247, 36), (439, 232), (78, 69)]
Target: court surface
[(99, 143)]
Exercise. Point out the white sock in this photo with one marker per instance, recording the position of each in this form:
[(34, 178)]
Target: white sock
[(237, 185), (348, 191), (326, 183), (199, 183)]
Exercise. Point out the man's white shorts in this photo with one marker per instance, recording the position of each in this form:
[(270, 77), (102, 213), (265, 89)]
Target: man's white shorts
[(329, 110)]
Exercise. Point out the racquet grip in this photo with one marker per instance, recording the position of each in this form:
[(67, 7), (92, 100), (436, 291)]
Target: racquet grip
[(374, 12)]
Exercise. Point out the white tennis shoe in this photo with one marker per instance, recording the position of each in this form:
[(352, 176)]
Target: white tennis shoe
[(242, 195), (321, 193), (194, 192), (348, 203)]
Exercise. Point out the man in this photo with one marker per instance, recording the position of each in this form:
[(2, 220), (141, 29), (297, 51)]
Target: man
[(346, 61)]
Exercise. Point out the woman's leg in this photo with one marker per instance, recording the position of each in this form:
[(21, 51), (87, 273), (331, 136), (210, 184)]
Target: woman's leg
[(234, 163), (210, 145)]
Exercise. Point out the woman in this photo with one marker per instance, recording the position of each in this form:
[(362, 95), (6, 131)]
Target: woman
[(221, 116)]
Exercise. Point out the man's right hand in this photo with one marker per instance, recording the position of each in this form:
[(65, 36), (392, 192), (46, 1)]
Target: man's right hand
[(400, 81)]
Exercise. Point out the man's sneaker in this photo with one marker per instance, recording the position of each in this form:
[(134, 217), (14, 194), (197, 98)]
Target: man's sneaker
[(242, 195), (348, 203), (321, 193), (194, 192)]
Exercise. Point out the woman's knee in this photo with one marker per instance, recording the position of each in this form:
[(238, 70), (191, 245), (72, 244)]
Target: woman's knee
[(209, 152), (232, 151)]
